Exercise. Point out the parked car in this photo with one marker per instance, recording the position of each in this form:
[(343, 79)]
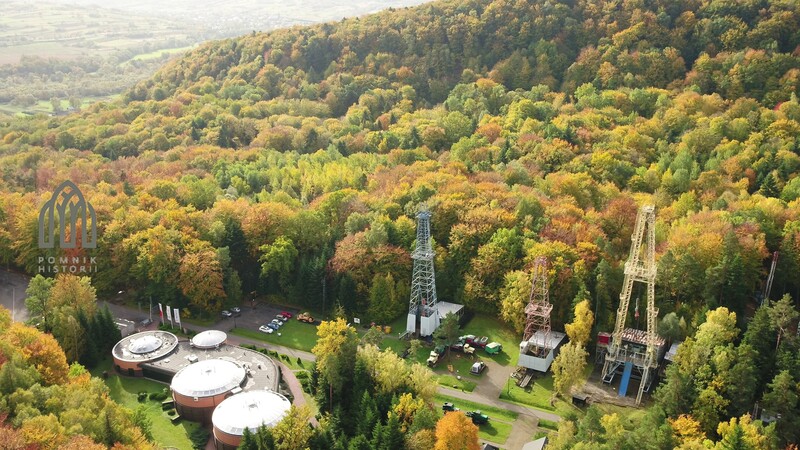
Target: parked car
[(477, 417), (236, 310), (226, 313), (433, 358), (266, 329), (477, 368), (447, 406), (479, 342), (287, 314), (280, 318), (277, 322), (273, 326), (305, 317)]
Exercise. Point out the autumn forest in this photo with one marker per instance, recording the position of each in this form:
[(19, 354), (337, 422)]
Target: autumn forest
[(292, 164)]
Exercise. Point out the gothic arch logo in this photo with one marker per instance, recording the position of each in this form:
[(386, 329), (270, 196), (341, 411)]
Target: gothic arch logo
[(76, 226)]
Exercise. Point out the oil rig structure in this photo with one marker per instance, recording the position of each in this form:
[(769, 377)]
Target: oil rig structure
[(425, 311), (634, 353), (540, 343)]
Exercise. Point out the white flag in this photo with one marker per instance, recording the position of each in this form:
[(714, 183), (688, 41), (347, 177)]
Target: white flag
[(177, 316), (169, 313)]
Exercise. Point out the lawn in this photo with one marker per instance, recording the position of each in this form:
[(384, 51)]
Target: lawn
[(465, 405), (453, 382), (294, 334), (538, 394), (124, 390), (495, 431), (497, 331)]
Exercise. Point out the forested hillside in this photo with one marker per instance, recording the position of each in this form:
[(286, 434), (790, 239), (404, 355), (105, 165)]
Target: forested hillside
[(275, 161), (528, 128)]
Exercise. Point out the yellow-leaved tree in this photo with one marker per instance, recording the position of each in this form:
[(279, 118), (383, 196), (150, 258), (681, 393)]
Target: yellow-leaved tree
[(580, 329)]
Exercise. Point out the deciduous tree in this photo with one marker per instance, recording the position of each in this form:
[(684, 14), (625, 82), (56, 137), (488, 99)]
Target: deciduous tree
[(568, 368), (455, 431), (580, 329)]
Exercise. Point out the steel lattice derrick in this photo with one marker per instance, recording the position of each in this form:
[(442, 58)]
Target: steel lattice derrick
[(640, 267), (537, 312), (423, 282)]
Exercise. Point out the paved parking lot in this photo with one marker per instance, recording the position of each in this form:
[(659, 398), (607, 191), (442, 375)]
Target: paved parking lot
[(252, 318)]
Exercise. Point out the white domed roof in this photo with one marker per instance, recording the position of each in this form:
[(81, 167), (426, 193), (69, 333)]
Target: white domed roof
[(250, 410), (209, 339), (145, 344), (208, 378)]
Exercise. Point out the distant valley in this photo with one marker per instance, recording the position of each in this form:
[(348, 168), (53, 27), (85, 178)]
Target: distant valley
[(62, 55)]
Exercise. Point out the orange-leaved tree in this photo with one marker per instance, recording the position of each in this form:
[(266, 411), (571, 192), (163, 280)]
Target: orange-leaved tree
[(455, 431)]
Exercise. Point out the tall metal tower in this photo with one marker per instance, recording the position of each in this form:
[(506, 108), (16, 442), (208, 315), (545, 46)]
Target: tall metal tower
[(537, 312), (423, 316), (641, 267)]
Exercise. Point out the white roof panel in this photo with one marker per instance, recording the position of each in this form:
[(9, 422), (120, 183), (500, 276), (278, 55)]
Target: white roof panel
[(209, 339), (208, 378), (250, 410)]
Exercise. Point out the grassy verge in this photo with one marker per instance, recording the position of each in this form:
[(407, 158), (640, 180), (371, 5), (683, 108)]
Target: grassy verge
[(550, 425), (452, 382), (465, 405), (495, 431), (294, 334), (125, 391)]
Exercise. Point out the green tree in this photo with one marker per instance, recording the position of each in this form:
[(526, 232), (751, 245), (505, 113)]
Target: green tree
[(781, 400), (336, 353), (783, 314), (568, 368), (448, 332), (37, 299), (279, 259)]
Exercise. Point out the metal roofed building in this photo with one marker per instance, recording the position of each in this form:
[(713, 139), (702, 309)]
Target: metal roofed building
[(161, 356), (248, 410), (134, 350), (199, 387), (539, 351)]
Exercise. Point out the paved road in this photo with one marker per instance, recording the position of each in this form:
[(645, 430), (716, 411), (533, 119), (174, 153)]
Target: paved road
[(12, 294)]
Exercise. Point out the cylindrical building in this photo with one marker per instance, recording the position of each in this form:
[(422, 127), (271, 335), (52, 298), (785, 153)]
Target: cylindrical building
[(248, 410), (199, 387), (148, 346)]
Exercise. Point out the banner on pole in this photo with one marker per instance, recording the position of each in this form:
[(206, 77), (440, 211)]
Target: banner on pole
[(177, 317), (161, 313), (169, 313)]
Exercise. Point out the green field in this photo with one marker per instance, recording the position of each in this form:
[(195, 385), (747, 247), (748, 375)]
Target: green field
[(160, 53), (125, 390)]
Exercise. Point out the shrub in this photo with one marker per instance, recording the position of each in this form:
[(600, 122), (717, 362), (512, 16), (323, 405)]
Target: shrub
[(199, 438), (142, 396), (160, 396)]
